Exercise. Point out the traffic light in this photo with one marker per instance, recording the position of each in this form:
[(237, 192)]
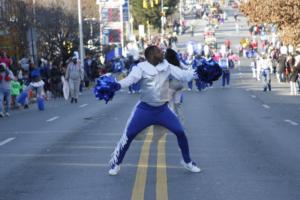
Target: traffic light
[(69, 46), (145, 4)]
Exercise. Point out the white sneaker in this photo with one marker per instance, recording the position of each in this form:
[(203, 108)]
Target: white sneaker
[(191, 166), (7, 114), (1, 114), (114, 170)]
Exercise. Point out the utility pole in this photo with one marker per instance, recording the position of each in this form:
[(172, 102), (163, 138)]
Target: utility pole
[(122, 26), (162, 18), (180, 12), (32, 35), (130, 20), (81, 50)]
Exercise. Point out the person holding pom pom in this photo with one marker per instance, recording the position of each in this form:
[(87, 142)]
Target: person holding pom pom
[(5, 78), (176, 86), (37, 85), (153, 109)]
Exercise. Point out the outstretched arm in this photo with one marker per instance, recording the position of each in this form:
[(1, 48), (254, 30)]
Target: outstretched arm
[(134, 76), (182, 75)]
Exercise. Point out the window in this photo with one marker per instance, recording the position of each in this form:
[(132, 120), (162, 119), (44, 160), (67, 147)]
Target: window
[(114, 36)]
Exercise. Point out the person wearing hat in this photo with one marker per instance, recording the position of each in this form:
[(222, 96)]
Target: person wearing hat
[(74, 75), (5, 77)]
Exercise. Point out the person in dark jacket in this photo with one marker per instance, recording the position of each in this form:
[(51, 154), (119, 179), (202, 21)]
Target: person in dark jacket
[(294, 67), (94, 69), (87, 70), (282, 59), (55, 81)]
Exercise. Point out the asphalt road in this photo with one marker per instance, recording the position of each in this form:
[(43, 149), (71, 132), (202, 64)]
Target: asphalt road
[(245, 141)]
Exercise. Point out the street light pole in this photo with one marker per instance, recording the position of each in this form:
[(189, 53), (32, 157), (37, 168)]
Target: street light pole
[(130, 19), (180, 12), (81, 50), (31, 33), (162, 17)]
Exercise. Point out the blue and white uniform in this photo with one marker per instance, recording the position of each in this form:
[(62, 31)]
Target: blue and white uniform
[(224, 64), (264, 68), (153, 106)]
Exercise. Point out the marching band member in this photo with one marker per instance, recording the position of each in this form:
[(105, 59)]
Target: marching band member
[(36, 84), (264, 67), (176, 86), (153, 106)]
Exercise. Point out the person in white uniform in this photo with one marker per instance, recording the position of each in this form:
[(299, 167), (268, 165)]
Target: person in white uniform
[(153, 107)]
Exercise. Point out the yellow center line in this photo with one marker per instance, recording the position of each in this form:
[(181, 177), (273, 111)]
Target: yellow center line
[(141, 175), (161, 172)]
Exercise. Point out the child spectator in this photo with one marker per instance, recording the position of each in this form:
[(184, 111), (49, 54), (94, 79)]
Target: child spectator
[(15, 89)]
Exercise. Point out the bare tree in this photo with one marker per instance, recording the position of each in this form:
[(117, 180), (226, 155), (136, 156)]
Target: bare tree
[(55, 21), (58, 32), (16, 21)]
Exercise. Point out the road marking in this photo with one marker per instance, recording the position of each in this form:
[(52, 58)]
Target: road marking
[(141, 175), (291, 122), (253, 96), (83, 105), (161, 172), (52, 119), (7, 141), (266, 106), (97, 165), (85, 147)]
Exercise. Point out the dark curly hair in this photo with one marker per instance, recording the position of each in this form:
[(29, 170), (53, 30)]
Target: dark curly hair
[(149, 50)]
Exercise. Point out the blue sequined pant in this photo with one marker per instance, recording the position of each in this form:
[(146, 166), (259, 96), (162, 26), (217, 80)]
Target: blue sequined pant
[(146, 115)]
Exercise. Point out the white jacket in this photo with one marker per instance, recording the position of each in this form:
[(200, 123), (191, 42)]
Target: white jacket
[(264, 64), (155, 80)]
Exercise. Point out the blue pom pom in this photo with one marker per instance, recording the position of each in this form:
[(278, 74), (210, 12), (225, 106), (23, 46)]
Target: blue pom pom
[(22, 98), (106, 87), (41, 103), (208, 71)]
